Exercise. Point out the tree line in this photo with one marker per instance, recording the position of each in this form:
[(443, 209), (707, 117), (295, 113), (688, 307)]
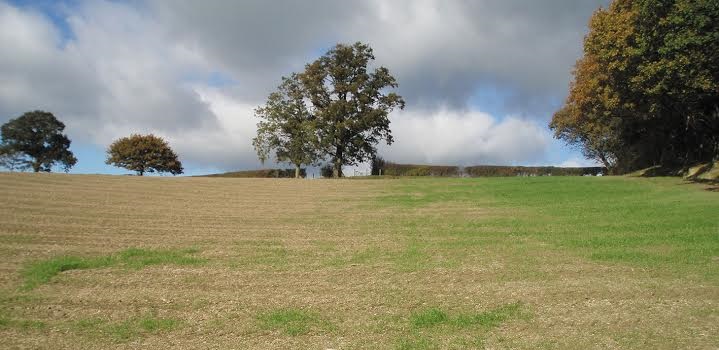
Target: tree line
[(646, 91)]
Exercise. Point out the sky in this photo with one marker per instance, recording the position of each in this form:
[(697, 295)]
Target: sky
[(480, 78)]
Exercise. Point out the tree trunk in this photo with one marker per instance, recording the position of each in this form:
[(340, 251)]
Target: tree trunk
[(140, 172), (604, 161), (36, 166), (337, 171), (297, 171)]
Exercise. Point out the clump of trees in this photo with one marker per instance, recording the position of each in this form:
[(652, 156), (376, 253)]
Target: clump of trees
[(336, 110), (144, 154), (646, 91), (35, 141)]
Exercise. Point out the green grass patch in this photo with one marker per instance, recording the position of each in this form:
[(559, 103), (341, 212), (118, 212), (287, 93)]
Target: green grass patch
[(428, 318), (24, 325), (292, 322), (41, 272), (462, 330), (488, 319), (657, 223), (138, 258), (123, 331)]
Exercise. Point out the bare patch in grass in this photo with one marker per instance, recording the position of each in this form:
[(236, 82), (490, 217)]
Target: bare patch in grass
[(269, 253)]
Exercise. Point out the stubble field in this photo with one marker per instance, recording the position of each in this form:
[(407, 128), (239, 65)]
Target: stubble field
[(559, 263)]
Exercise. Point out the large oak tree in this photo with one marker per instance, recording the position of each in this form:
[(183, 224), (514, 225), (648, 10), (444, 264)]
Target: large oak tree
[(350, 103), (35, 140)]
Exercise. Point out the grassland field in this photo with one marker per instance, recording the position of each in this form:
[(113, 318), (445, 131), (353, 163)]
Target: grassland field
[(96, 262)]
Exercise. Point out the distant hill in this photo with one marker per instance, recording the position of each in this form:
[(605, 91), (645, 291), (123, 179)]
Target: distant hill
[(263, 173), (501, 170), (395, 169)]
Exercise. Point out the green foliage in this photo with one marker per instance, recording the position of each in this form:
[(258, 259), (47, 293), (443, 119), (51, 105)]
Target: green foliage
[(645, 91), (349, 103), (287, 129), (35, 140), (292, 322), (144, 153), (43, 271)]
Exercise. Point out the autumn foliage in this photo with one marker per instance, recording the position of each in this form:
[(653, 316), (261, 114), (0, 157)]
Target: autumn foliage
[(144, 154), (646, 91)]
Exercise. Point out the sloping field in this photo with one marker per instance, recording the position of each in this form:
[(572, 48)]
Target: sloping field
[(94, 262)]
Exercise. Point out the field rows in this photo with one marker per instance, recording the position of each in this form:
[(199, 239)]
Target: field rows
[(357, 264)]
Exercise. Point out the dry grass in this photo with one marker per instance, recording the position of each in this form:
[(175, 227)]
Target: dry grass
[(341, 264)]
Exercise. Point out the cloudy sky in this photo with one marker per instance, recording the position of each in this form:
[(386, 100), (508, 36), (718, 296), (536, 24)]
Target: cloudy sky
[(480, 78)]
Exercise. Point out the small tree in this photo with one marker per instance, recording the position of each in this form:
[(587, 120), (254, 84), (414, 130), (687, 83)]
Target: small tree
[(287, 128), (144, 153), (35, 140)]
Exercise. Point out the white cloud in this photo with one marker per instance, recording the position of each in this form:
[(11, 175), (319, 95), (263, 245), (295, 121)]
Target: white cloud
[(141, 67), (576, 162), (465, 138)]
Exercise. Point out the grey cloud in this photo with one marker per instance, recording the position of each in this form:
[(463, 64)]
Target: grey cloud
[(138, 67), (104, 82), (257, 41), (439, 50)]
